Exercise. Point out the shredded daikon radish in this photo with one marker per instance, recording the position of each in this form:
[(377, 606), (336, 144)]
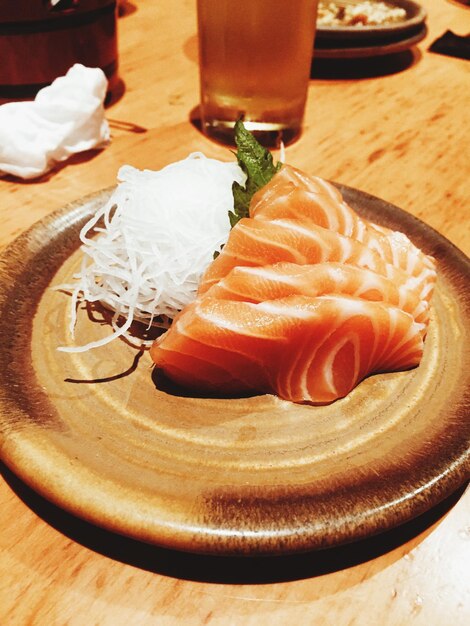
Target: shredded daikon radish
[(160, 231)]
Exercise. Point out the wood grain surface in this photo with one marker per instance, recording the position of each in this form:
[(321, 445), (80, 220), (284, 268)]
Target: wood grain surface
[(393, 127)]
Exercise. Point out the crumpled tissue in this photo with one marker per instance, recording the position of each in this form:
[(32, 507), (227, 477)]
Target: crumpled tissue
[(65, 118)]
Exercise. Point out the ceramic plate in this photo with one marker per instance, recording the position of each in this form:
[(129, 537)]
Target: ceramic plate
[(415, 18), (96, 434)]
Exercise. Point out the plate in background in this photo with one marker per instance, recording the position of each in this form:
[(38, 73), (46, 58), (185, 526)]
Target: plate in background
[(415, 18), (335, 49)]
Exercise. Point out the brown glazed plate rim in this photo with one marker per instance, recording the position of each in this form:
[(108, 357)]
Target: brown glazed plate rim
[(255, 476)]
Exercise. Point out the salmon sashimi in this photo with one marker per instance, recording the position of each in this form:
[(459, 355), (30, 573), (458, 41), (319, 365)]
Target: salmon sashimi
[(271, 282), (305, 300), (292, 194), (301, 348), (258, 242)]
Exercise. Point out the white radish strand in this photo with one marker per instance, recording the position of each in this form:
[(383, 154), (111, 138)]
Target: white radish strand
[(160, 232)]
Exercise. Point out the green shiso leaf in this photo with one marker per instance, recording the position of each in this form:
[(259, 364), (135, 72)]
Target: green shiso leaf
[(257, 163)]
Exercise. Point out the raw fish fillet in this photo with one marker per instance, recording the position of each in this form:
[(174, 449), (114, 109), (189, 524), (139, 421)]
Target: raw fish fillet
[(299, 348), (304, 301), (271, 282), (291, 194), (265, 242)]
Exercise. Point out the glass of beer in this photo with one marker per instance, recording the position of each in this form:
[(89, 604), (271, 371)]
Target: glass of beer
[(255, 58)]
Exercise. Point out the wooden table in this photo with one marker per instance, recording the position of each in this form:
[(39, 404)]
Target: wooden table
[(391, 127)]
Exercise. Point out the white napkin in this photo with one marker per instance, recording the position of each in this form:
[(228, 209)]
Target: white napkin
[(65, 118)]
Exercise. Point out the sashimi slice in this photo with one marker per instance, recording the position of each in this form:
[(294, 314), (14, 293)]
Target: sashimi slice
[(397, 249), (292, 194), (303, 349), (223, 364), (258, 242), (271, 282)]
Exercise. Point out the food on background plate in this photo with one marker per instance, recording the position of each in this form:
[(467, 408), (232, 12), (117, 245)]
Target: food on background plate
[(277, 312), (366, 13)]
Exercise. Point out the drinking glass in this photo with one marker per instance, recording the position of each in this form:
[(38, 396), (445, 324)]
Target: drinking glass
[(255, 58)]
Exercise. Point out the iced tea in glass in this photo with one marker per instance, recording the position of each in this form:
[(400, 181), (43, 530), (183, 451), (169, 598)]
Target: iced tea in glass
[(255, 58)]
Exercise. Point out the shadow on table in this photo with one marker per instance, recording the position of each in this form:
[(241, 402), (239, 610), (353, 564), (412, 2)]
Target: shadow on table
[(220, 569), (361, 68), (126, 8)]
